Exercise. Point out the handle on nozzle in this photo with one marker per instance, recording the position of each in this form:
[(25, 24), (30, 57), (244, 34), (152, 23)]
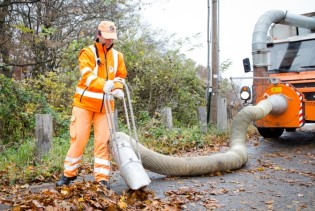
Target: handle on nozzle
[(110, 117), (111, 122)]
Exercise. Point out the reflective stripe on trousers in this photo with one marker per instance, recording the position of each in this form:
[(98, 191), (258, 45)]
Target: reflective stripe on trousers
[(80, 127)]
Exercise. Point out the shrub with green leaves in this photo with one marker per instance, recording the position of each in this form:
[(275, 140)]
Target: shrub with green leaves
[(58, 89), (21, 100), (162, 78), (19, 104)]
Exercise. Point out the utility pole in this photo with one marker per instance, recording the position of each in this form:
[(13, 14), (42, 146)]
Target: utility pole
[(209, 82), (215, 63)]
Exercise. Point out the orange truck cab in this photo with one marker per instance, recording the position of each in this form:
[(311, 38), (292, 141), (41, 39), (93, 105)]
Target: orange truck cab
[(283, 54)]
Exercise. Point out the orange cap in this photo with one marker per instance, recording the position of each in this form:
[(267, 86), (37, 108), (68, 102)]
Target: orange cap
[(108, 30)]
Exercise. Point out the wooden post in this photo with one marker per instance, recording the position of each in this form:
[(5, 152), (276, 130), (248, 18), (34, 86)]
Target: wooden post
[(167, 117), (202, 119), (222, 123), (43, 134)]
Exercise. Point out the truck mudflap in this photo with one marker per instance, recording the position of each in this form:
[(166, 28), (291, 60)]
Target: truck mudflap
[(293, 117)]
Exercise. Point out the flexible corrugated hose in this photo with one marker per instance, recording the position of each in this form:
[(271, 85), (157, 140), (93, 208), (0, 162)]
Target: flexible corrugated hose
[(234, 158)]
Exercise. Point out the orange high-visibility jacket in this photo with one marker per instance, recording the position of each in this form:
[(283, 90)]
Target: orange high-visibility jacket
[(98, 65)]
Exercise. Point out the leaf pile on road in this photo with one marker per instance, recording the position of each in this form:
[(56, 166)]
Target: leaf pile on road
[(185, 195), (84, 195)]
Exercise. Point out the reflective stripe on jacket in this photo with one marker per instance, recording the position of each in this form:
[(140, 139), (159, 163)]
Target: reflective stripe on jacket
[(95, 69)]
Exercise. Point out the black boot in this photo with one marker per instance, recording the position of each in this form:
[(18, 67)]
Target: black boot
[(105, 184), (65, 180)]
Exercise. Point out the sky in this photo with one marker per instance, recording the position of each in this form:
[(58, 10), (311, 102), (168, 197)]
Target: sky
[(237, 19)]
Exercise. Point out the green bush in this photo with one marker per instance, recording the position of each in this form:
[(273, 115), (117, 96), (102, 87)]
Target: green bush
[(160, 78), (58, 90), (21, 100), (19, 103)]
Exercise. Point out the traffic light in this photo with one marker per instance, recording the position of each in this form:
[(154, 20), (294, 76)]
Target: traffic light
[(245, 93)]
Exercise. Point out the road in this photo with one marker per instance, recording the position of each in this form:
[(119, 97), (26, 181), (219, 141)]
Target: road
[(279, 175)]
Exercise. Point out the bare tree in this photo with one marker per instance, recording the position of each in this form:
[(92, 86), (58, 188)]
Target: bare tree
[(35, 33)]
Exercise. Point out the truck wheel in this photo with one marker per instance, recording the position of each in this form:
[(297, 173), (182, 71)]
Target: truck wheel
[(270, 132), (290, 129)]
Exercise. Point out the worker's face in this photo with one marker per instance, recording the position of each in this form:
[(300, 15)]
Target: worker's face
[(106, 42)]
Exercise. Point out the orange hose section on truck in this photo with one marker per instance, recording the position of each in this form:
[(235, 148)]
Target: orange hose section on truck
[(293, 117)]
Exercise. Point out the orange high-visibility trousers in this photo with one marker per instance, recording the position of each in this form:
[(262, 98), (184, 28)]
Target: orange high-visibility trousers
[(80, 127)]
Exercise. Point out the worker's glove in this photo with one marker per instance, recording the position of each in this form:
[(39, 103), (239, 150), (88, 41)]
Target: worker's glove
[(109, 85), (118, 93)]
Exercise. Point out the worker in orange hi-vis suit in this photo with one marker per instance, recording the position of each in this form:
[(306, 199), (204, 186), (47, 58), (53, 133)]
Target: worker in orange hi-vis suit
[(101, 66)]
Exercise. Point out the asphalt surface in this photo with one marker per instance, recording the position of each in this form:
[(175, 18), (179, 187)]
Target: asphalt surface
[(279, 175)]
